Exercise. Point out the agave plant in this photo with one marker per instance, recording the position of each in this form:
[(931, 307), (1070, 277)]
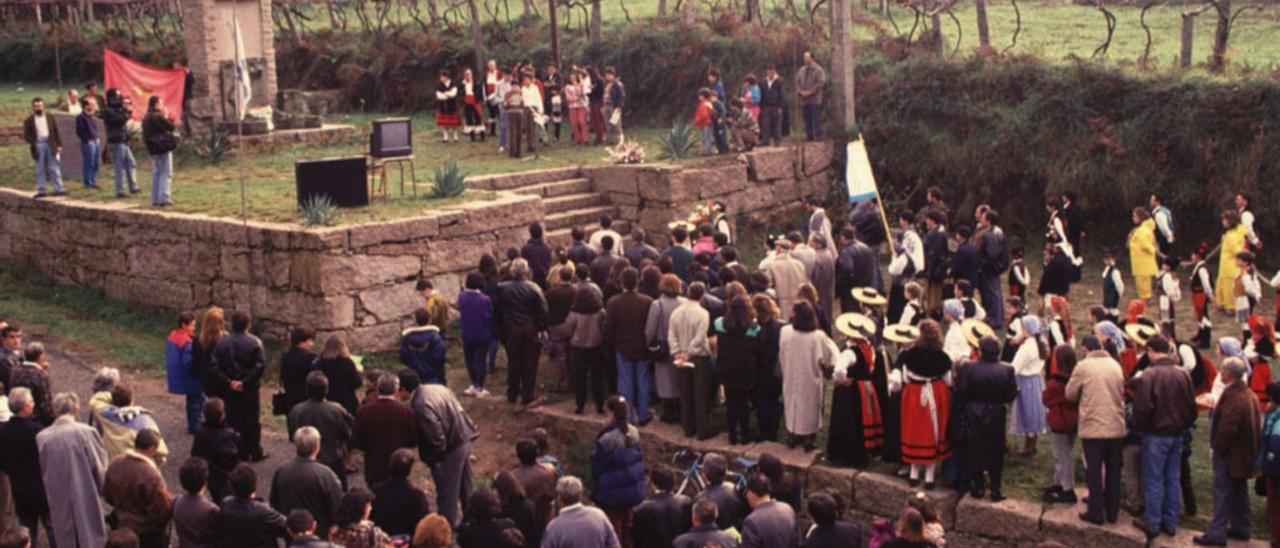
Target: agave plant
[(214, 145), (450, 181), (677, 143), (319, 210)]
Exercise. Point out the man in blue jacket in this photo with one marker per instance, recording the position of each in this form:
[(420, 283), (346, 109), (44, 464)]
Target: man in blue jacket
[(422, 349), (178, 368)]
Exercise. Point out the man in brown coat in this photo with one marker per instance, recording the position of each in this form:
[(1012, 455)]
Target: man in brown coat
[(41, 132), (624, 323), (1236, 429), (383, 426), (135, 489), (538, 479)]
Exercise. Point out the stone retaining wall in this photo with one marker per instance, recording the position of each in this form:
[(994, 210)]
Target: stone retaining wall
[(761, 186), (356, 279)]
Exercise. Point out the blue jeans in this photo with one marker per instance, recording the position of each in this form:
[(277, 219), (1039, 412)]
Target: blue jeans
[(161, 176), (1161, 470), (708, 139), (812, 121), (474, 354), (47, 167), (91, 160), (195, 411), (125, 166), (502, 127), (491, 359), (1231, 513), (634, 385)]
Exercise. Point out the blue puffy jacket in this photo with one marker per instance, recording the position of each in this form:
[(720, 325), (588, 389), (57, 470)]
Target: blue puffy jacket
[(422, 350), (617, 464), (178, 363)]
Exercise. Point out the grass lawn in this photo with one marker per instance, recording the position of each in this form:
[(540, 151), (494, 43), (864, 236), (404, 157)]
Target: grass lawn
[(203, 187)]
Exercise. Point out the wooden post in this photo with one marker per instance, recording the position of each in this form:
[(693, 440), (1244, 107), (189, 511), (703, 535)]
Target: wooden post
[(555, 33), (1188, 35), (842, 64), (935, 19), (984, 28), (477, 40)]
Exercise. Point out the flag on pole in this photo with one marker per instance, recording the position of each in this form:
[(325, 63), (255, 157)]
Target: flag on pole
[(242, 89), (858, 176), (138, 82)]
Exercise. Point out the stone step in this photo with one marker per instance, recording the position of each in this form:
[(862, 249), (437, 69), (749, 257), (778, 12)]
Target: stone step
[(571, 202), (561, 236), (508, 181), (557, 188), (582, 216)]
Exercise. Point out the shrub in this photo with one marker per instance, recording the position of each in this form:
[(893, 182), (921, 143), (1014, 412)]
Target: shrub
[(450, 181), (678, 142), (212, 146), (319, 210)]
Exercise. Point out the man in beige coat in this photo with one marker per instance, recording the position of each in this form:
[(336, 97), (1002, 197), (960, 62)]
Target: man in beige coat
[(1097, 383), (786, 274)]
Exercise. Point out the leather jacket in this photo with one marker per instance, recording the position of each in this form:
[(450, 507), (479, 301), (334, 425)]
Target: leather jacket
[(520, 303)]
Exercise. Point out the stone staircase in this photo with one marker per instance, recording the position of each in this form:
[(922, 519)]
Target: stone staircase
[(569, 199)]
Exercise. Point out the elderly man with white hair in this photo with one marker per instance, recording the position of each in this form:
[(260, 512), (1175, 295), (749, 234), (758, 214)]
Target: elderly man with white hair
[(521, 310), (20, 461), (72, 464), (577, 525), (1236, 429), (305, 483)]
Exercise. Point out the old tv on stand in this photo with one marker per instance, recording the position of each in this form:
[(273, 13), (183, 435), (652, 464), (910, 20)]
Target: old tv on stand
[(391, 138)]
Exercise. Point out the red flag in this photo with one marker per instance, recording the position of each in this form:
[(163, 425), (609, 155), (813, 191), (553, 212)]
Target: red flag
[(139, 82)]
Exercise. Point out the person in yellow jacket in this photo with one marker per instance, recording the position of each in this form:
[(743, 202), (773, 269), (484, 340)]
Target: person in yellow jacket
[(1233, 242), (1142, 252)]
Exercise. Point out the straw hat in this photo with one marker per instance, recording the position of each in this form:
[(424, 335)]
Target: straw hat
[(974, 330), (855, 326), (1141, 333), (869, 296), (902, 334)]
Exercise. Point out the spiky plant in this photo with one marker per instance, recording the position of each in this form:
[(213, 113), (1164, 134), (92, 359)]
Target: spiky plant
[(319, 210), (450, 181), (678, 143), (213, 145)]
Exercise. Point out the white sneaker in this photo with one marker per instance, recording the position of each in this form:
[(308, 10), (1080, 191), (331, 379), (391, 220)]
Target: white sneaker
[(482, 393), (470, 391)]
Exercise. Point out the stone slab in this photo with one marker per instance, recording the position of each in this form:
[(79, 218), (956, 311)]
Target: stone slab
[(770, 163), (1010, 519), (886, 496), (391, 302), (1062, 523)]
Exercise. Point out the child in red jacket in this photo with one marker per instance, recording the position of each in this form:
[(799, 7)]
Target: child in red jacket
[(704, 120), (1063, 418)]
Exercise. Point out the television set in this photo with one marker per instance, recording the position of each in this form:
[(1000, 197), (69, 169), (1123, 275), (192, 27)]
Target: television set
[(344, 180), (391, 138)]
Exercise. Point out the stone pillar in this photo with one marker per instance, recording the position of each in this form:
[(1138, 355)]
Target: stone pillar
[(211, 47)]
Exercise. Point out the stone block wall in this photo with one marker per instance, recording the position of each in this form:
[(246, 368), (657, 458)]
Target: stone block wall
[(761, 186), (355, 279)]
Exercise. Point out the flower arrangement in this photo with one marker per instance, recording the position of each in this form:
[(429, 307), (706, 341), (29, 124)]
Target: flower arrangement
[(627, 152), (700, 214)]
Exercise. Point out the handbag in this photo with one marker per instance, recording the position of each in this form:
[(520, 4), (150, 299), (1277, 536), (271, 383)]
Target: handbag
[(659, 350), (280, 404)]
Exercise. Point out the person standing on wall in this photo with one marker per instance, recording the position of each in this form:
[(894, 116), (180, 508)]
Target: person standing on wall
[(772, 100), (90, 145), (810, 82), (158, 132), (116, 115), (40, 131)]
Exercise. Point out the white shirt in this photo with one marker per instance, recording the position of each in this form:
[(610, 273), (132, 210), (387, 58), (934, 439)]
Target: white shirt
[(1172, 291), (1027, 361), (912, 250), (955, 345), (533, 100), (1162, 215), (73, 108), (1020, 274), (1246, 219), (1187, 358), (450, 92), (42, 127), (598, 236)]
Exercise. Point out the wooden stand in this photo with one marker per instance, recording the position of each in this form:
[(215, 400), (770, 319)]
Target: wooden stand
[(378, 167)]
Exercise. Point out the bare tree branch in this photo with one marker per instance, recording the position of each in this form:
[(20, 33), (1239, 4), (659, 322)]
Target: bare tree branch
[(1017, 27)]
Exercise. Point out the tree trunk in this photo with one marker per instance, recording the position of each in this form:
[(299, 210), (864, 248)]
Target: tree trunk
[(984, 29), (597, 22), (528, 8), (662, 8), (935, 19), (1188, 36), (842, 64), (477, 41), (687, 13), (1220, 37), (555, 32), (752, 6)]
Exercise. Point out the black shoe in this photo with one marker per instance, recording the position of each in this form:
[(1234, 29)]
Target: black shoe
[(59, 193), (1146, 528), (1061, 497), (259, 457), (929, 485), (133, 191), (1171, 531), (1085, 518), (1237, 536), (791, 442), (997, 496), (40, 195), (646, 421), (577, 410), (1201, 540), (1050, 489), (599, 410), (120, 195), (978, 494), (913, 481)]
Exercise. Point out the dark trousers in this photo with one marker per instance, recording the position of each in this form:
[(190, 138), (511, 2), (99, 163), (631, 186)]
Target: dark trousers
[(584, 363), (620, 519), (722, 146), (992, 295), (1230, 504), (195, 411), (452, 477), (339, 469), (474, 355), (812, 121), (523, 351), (1273, 510), (739, 416), (1188, 493), (597, 121), (32, 522), (770, 126), (154, 540), (977, 479), (695, 398), (1102, 459), (244, 416), (768, 413)]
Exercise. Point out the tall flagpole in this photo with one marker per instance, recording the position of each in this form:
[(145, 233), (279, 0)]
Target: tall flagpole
[(240, 80)]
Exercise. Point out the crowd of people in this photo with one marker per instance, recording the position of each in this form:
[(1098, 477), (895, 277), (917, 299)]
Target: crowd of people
[(919, 377)]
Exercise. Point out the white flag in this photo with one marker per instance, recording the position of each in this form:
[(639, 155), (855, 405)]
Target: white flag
[(858, 176), (242, 89)]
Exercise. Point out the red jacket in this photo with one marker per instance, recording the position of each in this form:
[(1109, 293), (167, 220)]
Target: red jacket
[(703, 116), (1064, 415)]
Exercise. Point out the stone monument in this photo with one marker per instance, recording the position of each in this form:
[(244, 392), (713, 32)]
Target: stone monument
[(211, 57)]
